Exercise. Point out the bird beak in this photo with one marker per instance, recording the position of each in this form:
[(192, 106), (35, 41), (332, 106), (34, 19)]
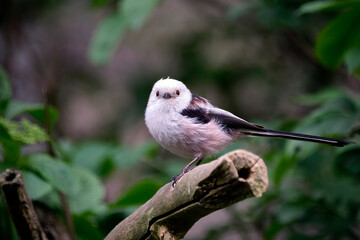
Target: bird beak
[(167, 95)]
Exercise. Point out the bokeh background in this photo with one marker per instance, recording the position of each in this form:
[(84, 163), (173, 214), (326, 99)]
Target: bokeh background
[(286, 64)]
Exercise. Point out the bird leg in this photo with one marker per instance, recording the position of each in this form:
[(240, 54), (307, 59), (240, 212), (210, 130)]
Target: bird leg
[(198, 163), (186, 169)]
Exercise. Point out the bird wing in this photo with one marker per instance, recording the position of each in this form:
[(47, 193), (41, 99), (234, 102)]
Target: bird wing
[(197, 109), (202, 111), (199, 102), (230, 121)]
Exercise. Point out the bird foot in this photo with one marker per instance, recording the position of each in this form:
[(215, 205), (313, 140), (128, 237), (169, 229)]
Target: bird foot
[(176, 178)]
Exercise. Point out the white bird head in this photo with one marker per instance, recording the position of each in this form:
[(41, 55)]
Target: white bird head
[(170, 94)]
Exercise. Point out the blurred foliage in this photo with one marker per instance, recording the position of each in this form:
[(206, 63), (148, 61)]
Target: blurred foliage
[(76, 170), (314, 189), (339, 41), (128, 15)]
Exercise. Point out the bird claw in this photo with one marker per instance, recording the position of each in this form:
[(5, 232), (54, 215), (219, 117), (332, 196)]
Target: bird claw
[(176, 178)]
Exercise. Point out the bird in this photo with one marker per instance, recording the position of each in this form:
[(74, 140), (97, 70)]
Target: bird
[(190, 126)]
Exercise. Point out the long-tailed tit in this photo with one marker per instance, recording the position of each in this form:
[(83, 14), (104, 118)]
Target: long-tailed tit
[(191, 127)]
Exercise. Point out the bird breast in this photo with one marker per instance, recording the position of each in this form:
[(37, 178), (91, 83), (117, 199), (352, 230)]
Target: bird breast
[(185, 137)]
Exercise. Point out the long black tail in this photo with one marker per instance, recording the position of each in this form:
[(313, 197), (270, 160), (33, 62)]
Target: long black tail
[(298, 136)]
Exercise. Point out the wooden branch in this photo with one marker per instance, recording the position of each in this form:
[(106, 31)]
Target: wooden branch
[(171, 212), (50, 222), (20, 206)]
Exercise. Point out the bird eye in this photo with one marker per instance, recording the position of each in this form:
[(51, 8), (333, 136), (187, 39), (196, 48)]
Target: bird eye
[(157, 93), (177, 92)]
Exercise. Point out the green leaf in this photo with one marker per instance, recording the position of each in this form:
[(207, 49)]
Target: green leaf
[(135, 12), (314, 6), (290, 212), (5, 91), (110, 219), (330, 124), (106, 38), (86, 229), (7, 229), (284, 164), (348, 160), (337, 191), (131, 14), (352, 59), (22, 132), (321, 97), (58, 174), (333, 119), (337, 38), (91, 155), (99, 3), (34, 109), (272, 230), (317, 6), (106, 168), (83, 188), (126, 157), (11, 150), (89, 194), (139, 193), (35, 186)]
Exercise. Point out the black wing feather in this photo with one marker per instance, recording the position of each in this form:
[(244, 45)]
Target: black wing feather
[(203, 116), (199, 114), (202, 111), (231, 123)]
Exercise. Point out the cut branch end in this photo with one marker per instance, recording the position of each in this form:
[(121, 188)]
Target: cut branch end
[(171, 212)]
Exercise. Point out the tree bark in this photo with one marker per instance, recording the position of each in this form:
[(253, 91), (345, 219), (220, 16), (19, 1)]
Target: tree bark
[(171, 212), (20, 206)]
